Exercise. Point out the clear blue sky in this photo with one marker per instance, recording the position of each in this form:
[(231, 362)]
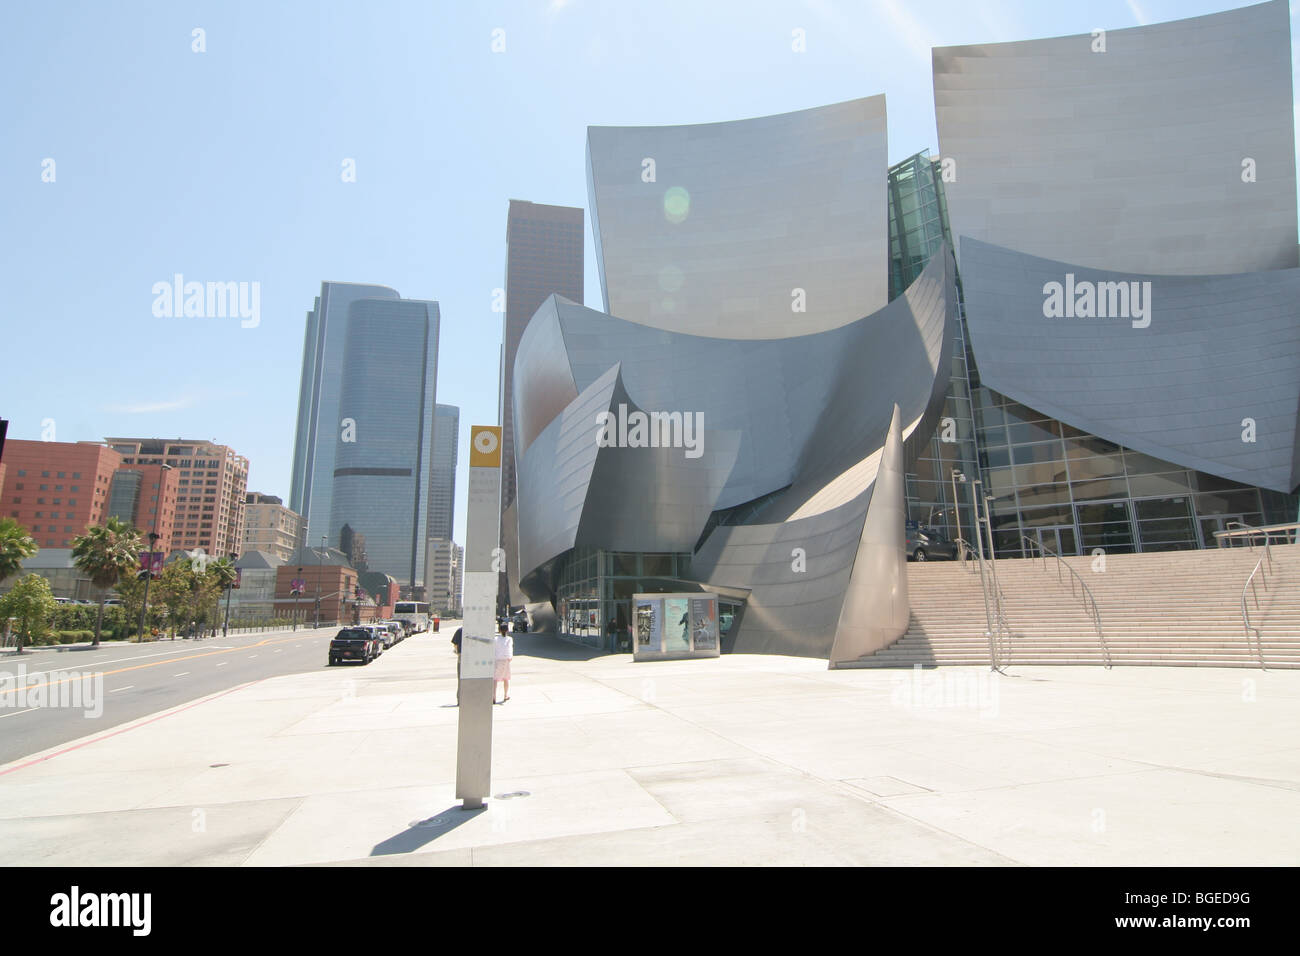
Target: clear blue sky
[(226, 166)]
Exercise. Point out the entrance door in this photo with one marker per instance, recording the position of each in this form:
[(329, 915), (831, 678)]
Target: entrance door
[(1060, 538), (1212, 523), (1107, 525), (622, 619)]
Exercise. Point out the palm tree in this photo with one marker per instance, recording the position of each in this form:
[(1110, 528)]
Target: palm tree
[(223, 580), (16, 546), (106, 554)]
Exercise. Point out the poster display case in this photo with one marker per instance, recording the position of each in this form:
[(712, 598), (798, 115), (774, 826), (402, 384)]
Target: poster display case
[(674, 626)]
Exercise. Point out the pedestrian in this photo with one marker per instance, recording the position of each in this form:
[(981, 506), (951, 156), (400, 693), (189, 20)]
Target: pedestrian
[(455, 639), (505, 651)]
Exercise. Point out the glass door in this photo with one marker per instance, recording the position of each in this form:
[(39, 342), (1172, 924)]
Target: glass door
[(1060, 538), (1107, 525), (1212, 523)]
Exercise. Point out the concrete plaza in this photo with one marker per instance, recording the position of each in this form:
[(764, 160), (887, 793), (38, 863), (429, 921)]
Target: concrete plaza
[(739, 760)]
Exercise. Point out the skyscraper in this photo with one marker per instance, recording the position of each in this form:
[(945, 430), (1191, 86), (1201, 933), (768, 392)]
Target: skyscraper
[(442, 484), (364, 453), (544, 255), (319, 427)]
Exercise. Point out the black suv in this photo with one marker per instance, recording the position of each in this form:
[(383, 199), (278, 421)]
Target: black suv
[(926, 544), (354, 644)]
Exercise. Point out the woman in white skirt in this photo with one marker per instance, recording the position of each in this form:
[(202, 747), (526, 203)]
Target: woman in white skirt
[(505, 648)]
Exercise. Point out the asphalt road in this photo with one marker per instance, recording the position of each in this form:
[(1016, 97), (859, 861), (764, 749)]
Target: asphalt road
[(137, 680)]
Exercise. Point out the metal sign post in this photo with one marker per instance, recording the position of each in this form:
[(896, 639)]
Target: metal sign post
[(478, 644)]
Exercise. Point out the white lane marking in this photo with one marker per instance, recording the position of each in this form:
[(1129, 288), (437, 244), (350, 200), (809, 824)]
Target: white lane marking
[(222, 663), (251, 656), (17, 712), (118, 690), (119, 660), (279, 649), (181, 674)]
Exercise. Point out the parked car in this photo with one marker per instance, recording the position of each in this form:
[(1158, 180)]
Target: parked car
[(354, 644), (928, 544), (395, 628), (383, 634)]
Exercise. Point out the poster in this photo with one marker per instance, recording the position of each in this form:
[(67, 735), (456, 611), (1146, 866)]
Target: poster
[(648, 630), (151, 563), (704, 624), (677, 625)]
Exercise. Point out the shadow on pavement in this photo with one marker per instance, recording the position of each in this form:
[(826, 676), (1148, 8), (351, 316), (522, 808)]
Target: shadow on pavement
[(423, 832), (552, 647)]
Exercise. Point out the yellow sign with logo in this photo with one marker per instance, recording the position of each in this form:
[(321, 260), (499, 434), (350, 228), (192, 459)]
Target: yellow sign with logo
[(485, 446)]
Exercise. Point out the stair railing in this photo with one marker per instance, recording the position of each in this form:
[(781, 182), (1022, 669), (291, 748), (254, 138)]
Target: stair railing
[(996, 627), (1263, 567), (1260, 566), (1084, 593)]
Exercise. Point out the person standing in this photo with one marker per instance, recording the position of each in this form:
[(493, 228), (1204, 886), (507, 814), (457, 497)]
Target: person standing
[(455, 640), (505, 652)]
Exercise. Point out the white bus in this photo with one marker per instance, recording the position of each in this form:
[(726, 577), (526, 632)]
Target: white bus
[(417, 612)]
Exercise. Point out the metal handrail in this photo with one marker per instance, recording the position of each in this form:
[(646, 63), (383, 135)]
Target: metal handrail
[(1238, 530), (1089, 602), (1245, 611), (995, 622)]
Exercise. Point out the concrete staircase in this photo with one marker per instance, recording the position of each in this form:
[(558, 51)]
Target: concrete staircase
[(1180, 608)]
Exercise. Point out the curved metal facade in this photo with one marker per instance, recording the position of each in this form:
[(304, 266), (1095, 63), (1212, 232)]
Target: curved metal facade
[(1131, 158), (810, 414), (741, 214), (1181, 389)]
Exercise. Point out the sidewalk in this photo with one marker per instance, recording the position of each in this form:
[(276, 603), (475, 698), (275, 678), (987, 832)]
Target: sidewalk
[(744, 760)]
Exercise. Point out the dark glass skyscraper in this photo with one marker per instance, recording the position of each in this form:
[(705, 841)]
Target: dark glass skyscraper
[(318, 427), (364, 458)]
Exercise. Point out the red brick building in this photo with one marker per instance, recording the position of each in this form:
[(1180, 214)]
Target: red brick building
[(57, 489), (336, 585)]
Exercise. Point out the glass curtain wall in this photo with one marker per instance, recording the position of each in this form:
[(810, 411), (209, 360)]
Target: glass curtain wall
[(595, 588), (918, 223)]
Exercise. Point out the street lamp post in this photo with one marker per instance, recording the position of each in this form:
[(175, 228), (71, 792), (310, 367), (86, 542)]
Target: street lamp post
[(153, 540), (320, 560), (230, 587), (297, 593)]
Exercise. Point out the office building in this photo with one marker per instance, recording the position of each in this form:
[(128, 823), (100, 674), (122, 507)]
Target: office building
[(442, 484), (383, 462), (544, 256), (269, 526), (211, 482), (58, 489)]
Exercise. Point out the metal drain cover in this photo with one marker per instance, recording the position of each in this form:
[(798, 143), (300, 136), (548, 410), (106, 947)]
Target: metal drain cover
[(512, 795)]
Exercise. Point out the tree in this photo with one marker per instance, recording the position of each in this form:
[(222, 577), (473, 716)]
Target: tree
[(223, 574), (32, 604), (131, 590), (16, 546), (106, 554), (190, 588)]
